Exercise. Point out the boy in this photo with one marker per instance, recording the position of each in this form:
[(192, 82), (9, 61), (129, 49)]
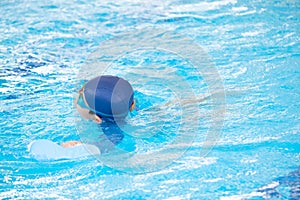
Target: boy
[(106, 100)]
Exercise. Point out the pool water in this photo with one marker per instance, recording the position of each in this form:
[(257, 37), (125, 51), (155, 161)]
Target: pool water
[(44, 48)]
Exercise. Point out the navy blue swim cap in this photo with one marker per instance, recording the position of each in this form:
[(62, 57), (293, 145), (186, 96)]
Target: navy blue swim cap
[(109, 96)]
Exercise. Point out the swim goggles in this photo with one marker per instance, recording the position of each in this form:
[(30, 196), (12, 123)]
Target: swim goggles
[(82, 107)]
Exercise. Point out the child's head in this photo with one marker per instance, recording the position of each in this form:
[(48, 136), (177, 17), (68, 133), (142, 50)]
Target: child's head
[(109, 97)]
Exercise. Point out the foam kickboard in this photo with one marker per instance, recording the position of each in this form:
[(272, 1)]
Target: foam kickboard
[(46, 150)]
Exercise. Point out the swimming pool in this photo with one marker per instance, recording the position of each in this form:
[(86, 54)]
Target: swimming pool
[(253, 45)]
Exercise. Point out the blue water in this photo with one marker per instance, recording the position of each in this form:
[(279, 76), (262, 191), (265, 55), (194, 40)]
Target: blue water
[(254, 46)]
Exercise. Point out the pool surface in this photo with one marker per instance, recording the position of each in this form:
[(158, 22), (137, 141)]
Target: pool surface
[(47, 51)]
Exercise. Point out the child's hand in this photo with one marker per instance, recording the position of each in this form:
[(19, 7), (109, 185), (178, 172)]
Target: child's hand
[(70, 144)]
